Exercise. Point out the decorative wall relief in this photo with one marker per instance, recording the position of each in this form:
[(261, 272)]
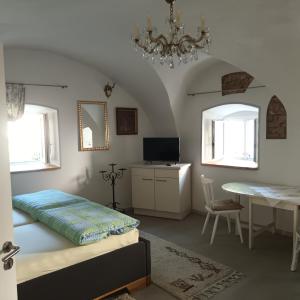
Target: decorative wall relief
[(235, 83), (276, 120)]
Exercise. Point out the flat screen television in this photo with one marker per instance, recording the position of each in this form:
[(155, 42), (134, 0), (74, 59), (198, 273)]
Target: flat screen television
[(161, 149)]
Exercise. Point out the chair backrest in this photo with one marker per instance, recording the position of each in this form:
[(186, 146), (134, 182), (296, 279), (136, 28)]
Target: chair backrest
[(207, 184)]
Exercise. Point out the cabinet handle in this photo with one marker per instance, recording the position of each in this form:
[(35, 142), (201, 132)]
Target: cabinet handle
[(147, 179), (161, 180)]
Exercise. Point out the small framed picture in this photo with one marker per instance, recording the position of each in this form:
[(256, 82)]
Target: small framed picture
[(127, 120)]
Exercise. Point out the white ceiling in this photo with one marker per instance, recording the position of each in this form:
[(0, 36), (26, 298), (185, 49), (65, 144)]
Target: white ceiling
[(261, 37)]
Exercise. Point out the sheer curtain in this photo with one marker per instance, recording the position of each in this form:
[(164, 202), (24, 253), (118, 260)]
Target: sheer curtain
[(15, 100)]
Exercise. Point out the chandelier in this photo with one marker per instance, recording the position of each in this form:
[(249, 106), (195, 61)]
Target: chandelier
[(177, 47)]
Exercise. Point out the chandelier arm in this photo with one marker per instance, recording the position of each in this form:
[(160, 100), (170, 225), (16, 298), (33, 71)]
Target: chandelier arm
[(144, 47), (188, 38), (178, 51), (182, 48), (151, 51), (161, 39)]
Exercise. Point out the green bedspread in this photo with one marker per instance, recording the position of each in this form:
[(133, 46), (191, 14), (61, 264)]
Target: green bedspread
[(87, 222), (35, 202), (74, 217)]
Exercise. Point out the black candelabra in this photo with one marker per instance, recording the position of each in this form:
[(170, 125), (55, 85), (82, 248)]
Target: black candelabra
[(111, 177)]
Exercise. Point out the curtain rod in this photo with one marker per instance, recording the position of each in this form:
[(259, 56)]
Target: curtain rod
[(220, 91), (38, 84)]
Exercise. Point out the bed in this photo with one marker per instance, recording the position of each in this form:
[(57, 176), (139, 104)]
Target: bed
[(50, 266), (20, 218)]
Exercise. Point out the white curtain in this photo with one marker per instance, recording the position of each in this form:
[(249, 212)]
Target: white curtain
[(15, 100)]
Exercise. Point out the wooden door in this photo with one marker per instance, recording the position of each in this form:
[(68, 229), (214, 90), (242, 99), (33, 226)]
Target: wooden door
[(8, 287)]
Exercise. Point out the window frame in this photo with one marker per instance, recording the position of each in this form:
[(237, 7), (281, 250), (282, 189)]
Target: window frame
[(48, 165), (256, 141)]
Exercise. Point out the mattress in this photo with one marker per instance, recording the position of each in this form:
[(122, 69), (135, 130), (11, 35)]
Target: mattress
[(20, 218), (44, 251)]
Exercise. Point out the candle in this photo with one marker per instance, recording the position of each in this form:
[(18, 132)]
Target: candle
[(178, 17), (149, 24), (136, 32), (202, 22)]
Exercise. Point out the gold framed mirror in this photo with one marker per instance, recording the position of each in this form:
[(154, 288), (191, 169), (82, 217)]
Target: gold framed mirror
[(93, 125)]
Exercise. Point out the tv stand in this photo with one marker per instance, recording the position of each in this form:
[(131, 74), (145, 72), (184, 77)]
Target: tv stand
[(161, 191)]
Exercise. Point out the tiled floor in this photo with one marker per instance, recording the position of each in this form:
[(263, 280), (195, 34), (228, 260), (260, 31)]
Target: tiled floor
[(266, 267)]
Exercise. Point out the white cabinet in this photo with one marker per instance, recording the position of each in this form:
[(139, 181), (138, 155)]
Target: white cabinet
[(162, 191), (143, 193)]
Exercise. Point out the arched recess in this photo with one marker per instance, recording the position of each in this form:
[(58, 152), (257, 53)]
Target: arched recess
[(276, 127)]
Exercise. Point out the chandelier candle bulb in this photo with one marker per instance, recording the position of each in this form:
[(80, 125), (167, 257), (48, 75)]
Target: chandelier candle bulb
[(149, 24), (178, 17), (202, 22), (136, 32)]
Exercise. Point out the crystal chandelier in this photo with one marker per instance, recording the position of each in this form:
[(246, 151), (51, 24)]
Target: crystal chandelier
[(177, 47)]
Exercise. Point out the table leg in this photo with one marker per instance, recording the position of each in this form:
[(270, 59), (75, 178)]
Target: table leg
[(250, 224), (295, 240), (274, 219), (238, 200)]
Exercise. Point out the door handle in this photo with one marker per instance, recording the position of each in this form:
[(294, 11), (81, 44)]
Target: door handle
[(161, 180), (147, 179), (11, 251)]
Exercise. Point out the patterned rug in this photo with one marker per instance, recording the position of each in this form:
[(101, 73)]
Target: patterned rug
[(125, 297), (120, 296), (185, 274)]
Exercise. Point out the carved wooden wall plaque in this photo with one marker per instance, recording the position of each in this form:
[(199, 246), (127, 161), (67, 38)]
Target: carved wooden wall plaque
[(276, 120), (237, 82)]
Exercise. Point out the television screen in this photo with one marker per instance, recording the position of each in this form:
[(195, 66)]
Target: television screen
[(161, 149)]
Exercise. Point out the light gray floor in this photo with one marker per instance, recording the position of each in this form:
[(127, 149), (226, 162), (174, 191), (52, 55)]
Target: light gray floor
[(266, 267)]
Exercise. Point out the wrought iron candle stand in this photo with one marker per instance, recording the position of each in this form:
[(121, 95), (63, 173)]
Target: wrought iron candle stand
[(112, 176)]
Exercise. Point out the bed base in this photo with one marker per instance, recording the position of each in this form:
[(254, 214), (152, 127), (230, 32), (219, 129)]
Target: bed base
[(126, 268), (131, 287)]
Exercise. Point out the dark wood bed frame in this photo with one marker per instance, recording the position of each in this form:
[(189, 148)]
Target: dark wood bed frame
[(126, 268)]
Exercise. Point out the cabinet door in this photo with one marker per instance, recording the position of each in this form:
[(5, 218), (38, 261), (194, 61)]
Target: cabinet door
[(167, 195), (143, 192)]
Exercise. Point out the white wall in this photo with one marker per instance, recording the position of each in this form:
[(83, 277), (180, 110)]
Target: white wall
[(273, 154), (79, 170)]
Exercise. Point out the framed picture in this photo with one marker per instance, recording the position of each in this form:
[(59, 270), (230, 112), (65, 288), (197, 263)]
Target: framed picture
[(127, 120)]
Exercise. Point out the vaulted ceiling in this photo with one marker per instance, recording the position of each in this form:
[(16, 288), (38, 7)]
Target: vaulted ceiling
[(260, 37)]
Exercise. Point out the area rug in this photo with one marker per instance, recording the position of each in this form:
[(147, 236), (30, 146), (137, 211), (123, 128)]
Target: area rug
[(120, 296), (125, 297), (185, 274)]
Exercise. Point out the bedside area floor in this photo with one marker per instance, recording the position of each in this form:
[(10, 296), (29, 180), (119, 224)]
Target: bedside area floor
[(266, 266)]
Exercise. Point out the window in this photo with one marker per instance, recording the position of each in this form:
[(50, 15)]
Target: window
[(230, 136), (33, 140)]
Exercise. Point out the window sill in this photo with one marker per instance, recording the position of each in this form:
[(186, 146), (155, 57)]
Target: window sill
[(235, 164), (32, 167)]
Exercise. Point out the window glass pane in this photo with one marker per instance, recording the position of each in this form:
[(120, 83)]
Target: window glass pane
[(250, 140), (219, 139), (234, 139), (27, 139)]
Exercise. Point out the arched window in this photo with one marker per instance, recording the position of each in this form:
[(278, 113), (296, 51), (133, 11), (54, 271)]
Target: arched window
[(230, 136), (33, 140), (87, 137)]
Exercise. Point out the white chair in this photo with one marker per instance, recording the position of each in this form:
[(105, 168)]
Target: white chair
[(217, 208)]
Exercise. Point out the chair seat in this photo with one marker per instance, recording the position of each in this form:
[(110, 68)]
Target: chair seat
[(226, 205)]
